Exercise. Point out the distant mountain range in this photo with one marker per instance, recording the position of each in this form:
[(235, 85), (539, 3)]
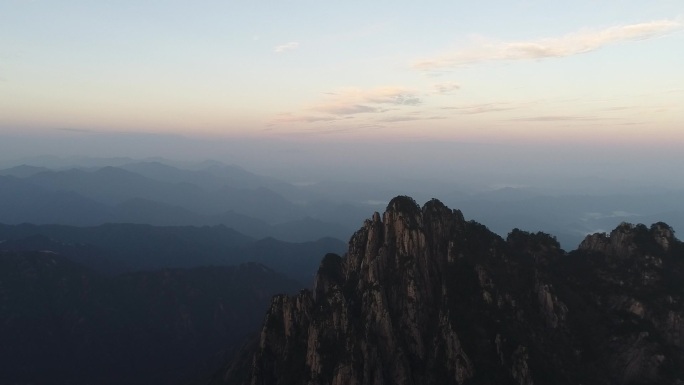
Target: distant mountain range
[(115, 248), (159, 194), (92, 191)]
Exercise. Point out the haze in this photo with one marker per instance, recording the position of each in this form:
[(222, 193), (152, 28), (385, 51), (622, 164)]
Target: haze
[(373, 99)]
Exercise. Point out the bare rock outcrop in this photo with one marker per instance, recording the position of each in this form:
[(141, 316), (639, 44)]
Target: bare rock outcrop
[(425, 297)]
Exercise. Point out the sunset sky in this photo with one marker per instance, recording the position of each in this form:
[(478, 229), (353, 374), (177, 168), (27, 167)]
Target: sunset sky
[(487, 71)]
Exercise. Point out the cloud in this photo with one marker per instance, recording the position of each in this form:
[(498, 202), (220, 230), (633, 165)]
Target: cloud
[(289, 118), (394, 119), (348, 107), (348, 101), (482, 108), (446, 87), (583, 41), (345, 109), (558, 118), (379, 95), (291, 46)]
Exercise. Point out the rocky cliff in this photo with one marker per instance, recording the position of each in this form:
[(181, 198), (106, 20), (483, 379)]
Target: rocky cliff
[(425, 297)]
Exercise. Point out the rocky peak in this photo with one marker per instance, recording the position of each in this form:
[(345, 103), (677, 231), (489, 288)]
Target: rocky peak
[(630, 240), (543, 248), (403, 206), (618, 242), (424, 297), (663, 235)]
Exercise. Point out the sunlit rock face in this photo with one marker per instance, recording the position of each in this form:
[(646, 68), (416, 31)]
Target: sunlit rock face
[(425, 297)]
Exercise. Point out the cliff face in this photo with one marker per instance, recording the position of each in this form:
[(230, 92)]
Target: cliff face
[(424, 297)]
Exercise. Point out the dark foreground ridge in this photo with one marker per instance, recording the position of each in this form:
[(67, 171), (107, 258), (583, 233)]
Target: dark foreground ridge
[(424, 297), (63, 323)]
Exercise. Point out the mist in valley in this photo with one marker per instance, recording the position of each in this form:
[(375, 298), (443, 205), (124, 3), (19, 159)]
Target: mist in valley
[(304, 190)]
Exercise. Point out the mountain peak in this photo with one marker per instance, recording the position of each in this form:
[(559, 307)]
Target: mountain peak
[(424, 297), (403, 203), (627, 239)]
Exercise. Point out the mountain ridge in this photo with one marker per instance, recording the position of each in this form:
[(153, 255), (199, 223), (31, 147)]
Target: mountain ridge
[(65, 323), (424, 297), (147, 247), (87, 197)]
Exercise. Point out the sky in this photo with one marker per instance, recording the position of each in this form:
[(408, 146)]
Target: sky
[(590, 73)]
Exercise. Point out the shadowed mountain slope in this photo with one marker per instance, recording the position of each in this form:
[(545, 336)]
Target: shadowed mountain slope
[(145, 247), (66, 324)]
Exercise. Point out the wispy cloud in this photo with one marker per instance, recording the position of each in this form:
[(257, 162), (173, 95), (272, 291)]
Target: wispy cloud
[(446, 87), (348, 101), (290, 118), (345, 109), (482, 108), (558, 118), (395, 119), (582, 41), (617, 108), (352, 109), (291, 46), (408, 118)]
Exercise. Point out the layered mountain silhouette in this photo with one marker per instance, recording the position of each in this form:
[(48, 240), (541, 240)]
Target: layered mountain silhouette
[(116, 248), (159, 194), (89, 192), (423, 296)]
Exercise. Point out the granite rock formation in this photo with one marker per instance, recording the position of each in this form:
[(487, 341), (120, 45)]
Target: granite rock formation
[(425, 297)]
